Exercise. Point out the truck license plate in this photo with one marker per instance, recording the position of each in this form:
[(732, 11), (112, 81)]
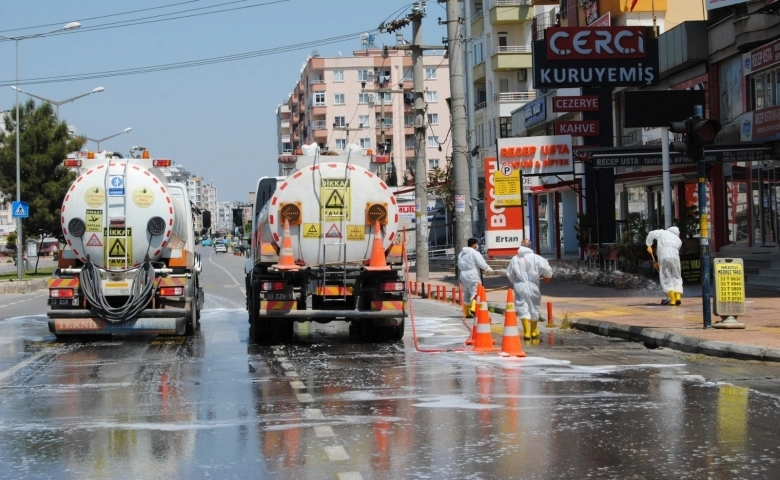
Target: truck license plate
[(277, 296), (64, 301)]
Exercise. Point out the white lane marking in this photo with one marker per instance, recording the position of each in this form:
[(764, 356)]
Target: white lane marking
[(224, 336), (314, 413), (287, 366), (297, 384), (323, 431), (21, 365), (291, 373), (349, 476), (336, 453), (281, 359), (226, 271), (304, 397)]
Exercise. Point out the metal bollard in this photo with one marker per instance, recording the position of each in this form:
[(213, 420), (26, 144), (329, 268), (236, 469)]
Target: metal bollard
[(422, 290)]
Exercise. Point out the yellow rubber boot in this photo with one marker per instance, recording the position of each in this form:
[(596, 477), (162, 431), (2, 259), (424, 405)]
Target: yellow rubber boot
[(526, 328), (473, 308), (677, 298), (534, 329), (670, 298), (467, 312)]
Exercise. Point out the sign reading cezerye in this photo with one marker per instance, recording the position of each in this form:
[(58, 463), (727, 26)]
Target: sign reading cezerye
[(595, 56)]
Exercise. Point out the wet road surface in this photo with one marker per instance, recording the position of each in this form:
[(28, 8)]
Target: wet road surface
[(215, 406)]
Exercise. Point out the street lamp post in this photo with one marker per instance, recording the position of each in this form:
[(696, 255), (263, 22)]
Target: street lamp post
[(19, 236), (126, 130), (57, 104)]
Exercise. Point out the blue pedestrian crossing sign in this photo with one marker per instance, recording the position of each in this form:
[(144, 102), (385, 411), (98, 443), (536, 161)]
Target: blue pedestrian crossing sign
[(20, 209)]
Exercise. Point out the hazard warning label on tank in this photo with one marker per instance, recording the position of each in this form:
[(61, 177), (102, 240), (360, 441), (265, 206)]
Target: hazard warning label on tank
[(94, 221), (118, 247), (333, 232), (356, 232), (311, 230), (95, 196), (335, 199)]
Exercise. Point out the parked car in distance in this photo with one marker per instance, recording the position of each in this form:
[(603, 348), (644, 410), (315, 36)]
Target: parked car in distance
[(220, 247), (206, 242)]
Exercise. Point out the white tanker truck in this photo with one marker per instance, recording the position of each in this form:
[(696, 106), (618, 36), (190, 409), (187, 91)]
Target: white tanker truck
[(333, 266), (129, 265)]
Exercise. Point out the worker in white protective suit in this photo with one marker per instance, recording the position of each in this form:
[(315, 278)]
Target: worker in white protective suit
[(469, 263), (524, 271), (667, 251)]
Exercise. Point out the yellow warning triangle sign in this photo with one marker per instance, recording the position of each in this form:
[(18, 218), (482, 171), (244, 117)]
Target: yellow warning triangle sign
[(313, 229), (336, 200), (117, 248)]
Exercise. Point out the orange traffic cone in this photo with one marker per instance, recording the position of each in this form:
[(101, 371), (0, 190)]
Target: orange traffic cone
[(510, 344), (483, 340), (473, 336), (286, 259), (377, 261)]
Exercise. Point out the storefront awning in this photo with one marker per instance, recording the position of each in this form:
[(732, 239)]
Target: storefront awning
[(650, 155)]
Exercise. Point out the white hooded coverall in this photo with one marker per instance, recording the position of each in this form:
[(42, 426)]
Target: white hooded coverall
[(524, 271), (668, 253), (469, 263)]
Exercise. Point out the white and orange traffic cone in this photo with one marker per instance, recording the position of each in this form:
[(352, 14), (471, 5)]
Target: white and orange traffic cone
[(377, 261), (286, 258), (510, 344), (483, 339)]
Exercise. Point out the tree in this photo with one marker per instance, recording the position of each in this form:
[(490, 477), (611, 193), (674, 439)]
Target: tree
[(10, 241), (44, 144)]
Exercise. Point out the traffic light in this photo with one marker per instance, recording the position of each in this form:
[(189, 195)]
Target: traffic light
[(696, 132)]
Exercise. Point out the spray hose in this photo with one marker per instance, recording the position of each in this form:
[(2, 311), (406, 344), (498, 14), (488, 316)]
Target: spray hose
[(140, 295), (411, 309)]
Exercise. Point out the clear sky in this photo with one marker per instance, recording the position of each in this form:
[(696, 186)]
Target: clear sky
[(217, 120)]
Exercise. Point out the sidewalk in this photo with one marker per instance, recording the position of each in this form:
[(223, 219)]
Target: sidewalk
[(637, 315)]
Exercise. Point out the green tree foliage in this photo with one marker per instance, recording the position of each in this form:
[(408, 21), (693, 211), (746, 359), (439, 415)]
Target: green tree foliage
[(10, 241), (44, 144)]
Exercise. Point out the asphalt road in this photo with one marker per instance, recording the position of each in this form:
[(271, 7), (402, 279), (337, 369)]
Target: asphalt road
[(216, 406)]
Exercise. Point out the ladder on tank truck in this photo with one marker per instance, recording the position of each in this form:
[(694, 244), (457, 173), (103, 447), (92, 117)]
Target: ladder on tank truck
[(334, 274)]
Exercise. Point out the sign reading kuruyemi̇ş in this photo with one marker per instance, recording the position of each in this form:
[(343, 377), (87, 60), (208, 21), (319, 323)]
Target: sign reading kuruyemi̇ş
[(596, 57)]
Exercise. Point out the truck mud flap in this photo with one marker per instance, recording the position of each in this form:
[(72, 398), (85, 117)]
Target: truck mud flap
[(64, 322)]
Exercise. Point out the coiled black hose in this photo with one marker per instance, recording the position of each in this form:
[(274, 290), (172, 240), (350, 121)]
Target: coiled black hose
[(140, 295)]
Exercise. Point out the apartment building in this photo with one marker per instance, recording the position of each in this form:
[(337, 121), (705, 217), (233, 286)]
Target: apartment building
[(367, 99)]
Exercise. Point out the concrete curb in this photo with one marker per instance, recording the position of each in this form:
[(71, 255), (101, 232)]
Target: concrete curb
[(23, 286), (654, 338)]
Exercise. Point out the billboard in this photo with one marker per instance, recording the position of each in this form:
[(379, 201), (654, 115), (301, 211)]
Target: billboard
[(609, 56), (504, 224)]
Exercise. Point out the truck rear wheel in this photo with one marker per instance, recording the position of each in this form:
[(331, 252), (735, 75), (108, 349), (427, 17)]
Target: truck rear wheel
[(258, 331), (390, 334), (282, 330)]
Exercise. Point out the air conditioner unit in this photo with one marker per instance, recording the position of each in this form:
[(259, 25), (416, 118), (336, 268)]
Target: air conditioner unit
[(371, 98)]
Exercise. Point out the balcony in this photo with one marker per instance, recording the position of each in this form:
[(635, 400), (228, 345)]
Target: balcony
[(284, 124), (318, 85), (510, 12), (509, 58), (478, 23), (510, 101), (479, 73), (319, 129), (298, 88), (544, 2), (319, 109)]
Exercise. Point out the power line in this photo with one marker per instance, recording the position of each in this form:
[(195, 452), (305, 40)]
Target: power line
[(100, 17), (156, 19), (180, 65)]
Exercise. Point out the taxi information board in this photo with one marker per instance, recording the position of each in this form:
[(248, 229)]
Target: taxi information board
[(729, 287)]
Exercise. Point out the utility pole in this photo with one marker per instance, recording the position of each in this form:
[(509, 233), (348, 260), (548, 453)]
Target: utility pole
[(382, 91), (420, 127), (470, 133), (460, 147)]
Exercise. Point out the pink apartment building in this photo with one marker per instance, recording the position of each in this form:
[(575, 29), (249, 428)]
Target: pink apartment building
[(336, 102)]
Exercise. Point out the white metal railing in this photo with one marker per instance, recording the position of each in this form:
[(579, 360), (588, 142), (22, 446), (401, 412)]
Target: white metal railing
[(316, 82), (477, 16), (509, 3), (480, 106), (514, 96), (513, 49), (319, 125)]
